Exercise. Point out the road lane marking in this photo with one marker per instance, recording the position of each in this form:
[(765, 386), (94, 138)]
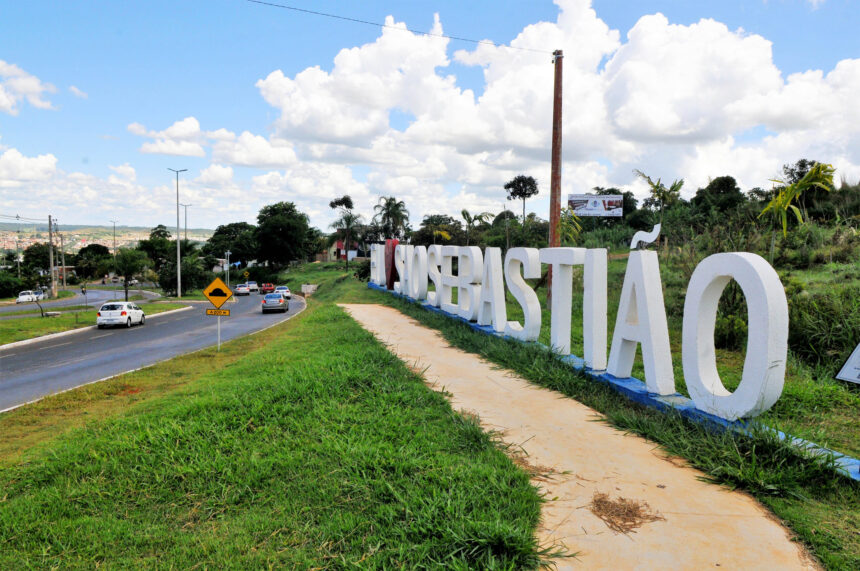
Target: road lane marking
[(100, 336)]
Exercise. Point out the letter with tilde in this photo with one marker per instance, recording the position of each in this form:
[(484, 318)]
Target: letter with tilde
[(641, 320)]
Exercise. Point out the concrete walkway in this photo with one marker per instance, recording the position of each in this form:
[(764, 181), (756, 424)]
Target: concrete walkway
[(703, 526)]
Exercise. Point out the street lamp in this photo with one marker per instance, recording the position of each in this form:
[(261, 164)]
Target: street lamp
[(178, 256), (114, 245), (227, 253), (186, 218)]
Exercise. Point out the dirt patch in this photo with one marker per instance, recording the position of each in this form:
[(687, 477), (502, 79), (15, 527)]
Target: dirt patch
[(622, 515)]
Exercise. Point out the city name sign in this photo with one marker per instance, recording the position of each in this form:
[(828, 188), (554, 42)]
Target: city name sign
[(482, 277)]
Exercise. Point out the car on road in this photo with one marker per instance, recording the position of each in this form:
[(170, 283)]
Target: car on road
[(275, 302), (284, 291), (267, 288), (28, 296), (120, 313), (242, 289), (252, 286)]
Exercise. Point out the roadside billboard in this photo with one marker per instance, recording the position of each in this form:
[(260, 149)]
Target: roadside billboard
[(596, 204)]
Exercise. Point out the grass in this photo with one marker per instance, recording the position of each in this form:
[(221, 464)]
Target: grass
[(821, 507), (307, 446), (12, 330)]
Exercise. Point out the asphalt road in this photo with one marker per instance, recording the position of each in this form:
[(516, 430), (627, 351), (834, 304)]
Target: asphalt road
[(93, 297), (45, 367)]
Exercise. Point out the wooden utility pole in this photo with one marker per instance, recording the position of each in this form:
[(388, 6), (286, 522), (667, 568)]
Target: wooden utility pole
[(555, 176), (51, 255)]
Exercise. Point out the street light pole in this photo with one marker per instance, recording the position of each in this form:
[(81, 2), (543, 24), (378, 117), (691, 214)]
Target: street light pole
[(227, 253), (186, 218), (178, 255), (114, 245)]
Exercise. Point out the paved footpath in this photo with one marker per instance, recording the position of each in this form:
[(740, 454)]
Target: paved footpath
[(705, 526)]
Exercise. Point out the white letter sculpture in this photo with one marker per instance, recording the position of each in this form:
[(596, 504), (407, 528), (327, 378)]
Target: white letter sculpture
[(593, 301), (767, 339), (449, 280), (491, 307), (418, 273), (374, 264), (434, 261), (401, 259), (561, 261), (594, 309), (529, 260), (642, 319), (470, 262)]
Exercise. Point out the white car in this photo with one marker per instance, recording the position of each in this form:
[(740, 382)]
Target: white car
[(252, 286), (242, 289), (284, 291), (120, 313), (28, 296)]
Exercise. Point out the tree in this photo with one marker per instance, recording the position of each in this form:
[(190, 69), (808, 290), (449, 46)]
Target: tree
[(660, 195), (438, 228), (346, 222), (128, 263), (820, 176), (36, 256), (345, 225), (237, 237), (720, 196), (281, 232), (391, 215), (473, 221), (160, 232), (194, 275), (90, 258), (522, 187)]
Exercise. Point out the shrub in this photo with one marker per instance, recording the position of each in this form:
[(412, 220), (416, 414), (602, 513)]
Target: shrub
[(362, 270), (9, 285), (824, 328)]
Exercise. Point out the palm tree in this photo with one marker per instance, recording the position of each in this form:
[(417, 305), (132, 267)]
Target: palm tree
[(475, 220), (664, 196), (819, 176), (391, 215), (346, 224)]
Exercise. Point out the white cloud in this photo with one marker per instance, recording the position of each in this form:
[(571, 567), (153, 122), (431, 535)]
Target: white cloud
[(77, 92), (16, 85), (17, 169), (252, 150)]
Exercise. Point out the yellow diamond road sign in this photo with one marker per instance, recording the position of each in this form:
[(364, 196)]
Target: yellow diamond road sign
[(217, 293)]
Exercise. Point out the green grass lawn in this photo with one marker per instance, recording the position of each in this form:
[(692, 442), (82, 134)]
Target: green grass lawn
[(820, 506), (308, 445), (12, 330)]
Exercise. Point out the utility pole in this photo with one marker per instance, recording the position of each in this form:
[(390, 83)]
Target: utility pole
[(178, 255), (17, 247), (114, 245), (186, 219), (51, 255), (62, 255), (555, 176)]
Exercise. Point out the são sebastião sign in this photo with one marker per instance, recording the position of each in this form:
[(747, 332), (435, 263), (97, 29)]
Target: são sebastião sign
[(641, 320)]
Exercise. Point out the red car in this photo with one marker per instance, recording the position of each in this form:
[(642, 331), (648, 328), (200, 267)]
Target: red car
[(267, 288)]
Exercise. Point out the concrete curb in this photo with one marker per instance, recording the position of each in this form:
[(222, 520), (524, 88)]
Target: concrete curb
[(78, 330)]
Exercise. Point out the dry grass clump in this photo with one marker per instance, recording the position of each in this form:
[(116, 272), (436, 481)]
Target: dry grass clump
[(622, 515)]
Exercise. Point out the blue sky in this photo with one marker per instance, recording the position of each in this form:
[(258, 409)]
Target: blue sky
[(157, 63)]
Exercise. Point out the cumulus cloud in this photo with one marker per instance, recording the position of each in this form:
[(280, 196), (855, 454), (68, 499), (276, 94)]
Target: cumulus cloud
[(182, 138), (17, 169), (16, 86)]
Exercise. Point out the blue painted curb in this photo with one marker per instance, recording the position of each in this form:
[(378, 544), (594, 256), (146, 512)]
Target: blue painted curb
[(636, 390)]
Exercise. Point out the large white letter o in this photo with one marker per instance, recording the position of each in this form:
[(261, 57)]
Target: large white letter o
[(767, 338)]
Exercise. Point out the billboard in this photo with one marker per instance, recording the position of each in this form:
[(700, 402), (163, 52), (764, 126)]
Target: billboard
[(596, 204)]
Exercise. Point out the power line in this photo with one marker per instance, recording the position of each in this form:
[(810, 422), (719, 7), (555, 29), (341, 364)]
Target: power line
[(377, 24)]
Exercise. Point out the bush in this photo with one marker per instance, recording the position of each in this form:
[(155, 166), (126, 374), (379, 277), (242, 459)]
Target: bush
[(10, 285), (824, 328), (362, 270)]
